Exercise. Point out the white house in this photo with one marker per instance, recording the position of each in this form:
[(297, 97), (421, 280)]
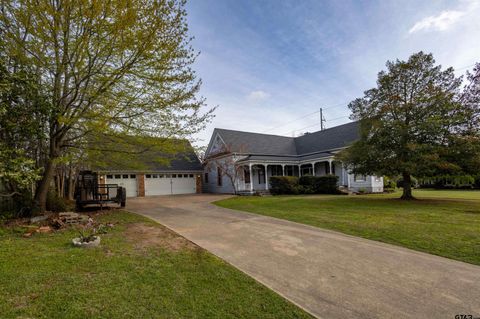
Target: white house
[(248, 159)]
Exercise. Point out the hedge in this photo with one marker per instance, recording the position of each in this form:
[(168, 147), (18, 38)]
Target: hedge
[(284, 185), (304, 185)]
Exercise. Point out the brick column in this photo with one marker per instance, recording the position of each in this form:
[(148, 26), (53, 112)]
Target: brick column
[(141, 185), (198, 183)]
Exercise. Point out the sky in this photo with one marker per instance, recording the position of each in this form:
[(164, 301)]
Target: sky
[(270, 65)]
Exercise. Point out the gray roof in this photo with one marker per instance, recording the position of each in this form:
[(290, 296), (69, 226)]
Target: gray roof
[(157, 159), (256, 143), (331, 138), (298, 147)]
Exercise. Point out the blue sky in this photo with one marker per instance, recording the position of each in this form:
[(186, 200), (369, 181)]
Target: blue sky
[(266, 63)]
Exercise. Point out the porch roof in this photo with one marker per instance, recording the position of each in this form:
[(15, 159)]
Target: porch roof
[(286, 159)]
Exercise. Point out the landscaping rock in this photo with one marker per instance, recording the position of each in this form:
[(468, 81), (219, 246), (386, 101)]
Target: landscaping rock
[(77, 242), (38, 219), (44, 229), (72, 218)]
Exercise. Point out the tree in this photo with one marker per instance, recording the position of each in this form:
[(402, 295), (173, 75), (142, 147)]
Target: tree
[(227, 167), (23, 107), (108, 66), (409, 122)]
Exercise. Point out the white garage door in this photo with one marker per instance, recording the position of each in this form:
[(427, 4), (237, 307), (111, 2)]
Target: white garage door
[(167, 184), (183, 184), (129, 181), (157, 184)]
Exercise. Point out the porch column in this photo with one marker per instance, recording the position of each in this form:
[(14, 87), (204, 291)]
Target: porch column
[(299, 170), (283, 169), (251, 176), (330, 166), (266, 176)]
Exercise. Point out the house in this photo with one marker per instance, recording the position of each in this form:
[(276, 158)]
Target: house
[(237, 161), (166, 167)]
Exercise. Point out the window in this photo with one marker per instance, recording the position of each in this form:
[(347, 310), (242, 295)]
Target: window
[(191, 175), (180, 176), (206, 177), (333, 168), (276, 170), (125, 176), (377, 178), (219, 176), (246, 174), (154, 176), (174, 175), (117, 176), (261, 176), (167, 175), (289, 170), (359, 178), (161, 176), (110, 176), (148, 176), (133, 176), (307, 170), (185, 175)]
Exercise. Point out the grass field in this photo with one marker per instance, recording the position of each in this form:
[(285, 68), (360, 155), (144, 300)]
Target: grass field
[(441, 222), (141, 270)]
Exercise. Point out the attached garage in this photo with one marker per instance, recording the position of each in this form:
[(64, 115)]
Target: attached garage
[(169, 184), (129, 181), (154, 173)]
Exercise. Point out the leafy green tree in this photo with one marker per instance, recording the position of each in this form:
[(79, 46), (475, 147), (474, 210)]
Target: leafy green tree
[(412, 124), (120, 67), (23, 107)]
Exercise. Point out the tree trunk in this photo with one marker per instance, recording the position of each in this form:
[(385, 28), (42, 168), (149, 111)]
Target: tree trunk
[(407, 187), (48, 174), (43, 186)]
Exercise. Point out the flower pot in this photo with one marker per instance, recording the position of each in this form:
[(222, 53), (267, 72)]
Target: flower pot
[(94, 243)]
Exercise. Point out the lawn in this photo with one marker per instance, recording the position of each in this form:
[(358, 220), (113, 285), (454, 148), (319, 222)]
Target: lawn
[(445, 223), (141, 270)]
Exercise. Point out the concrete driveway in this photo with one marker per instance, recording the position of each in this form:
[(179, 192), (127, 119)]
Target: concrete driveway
[(329, 274)]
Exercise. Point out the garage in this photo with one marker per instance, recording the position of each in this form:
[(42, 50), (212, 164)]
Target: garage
[(168, 184), (129, 181), (154, 172)]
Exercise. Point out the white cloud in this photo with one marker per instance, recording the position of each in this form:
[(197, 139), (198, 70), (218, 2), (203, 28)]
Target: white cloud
[(258, 96), (440, 22)]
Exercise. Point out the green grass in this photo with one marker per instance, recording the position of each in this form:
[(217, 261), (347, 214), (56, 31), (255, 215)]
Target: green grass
[(445, 223), (45, 277)]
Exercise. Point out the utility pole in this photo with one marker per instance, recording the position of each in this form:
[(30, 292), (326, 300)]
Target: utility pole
[(322, 120)]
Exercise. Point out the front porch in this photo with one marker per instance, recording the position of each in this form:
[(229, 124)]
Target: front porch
[(254, 176)]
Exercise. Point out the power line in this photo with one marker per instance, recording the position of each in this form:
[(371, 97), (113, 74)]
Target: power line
[(304, 116), (331, 107)]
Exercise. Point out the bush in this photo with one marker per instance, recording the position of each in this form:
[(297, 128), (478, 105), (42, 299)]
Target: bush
[(320, 184), (284, 185), (389, 184), (56, 203), (304, 185)]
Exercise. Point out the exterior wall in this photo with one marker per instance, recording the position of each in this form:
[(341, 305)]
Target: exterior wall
[(212, 186), (198, 183), (372, 184), (141, 185)]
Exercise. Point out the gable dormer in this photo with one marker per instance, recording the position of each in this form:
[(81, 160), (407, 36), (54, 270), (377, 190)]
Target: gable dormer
[(216, 146)]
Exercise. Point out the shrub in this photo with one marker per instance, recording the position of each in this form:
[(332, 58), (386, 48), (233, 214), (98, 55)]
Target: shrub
[(284, 185), (304, 185), (320, 184), (56, 203)]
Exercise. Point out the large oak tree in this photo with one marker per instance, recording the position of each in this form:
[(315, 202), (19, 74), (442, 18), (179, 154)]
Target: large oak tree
[(414, 123), (119, 67)]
